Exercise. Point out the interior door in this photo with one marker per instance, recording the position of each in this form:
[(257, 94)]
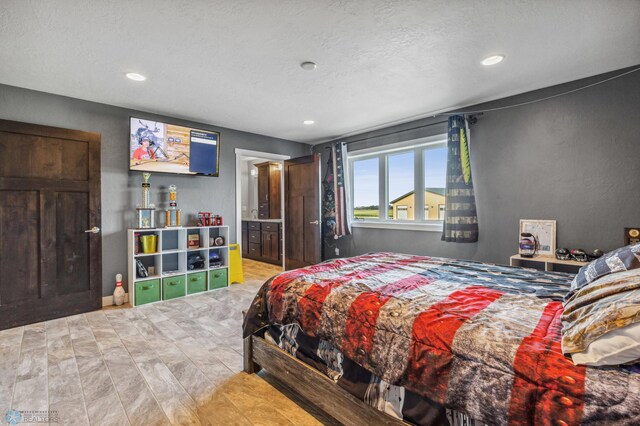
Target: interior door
[(302, 211), (50, 266)]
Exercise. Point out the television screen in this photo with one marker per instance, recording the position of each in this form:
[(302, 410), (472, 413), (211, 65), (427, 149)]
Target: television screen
[(166, 148)]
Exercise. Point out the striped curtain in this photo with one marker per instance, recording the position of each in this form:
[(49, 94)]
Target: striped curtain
[(335, 220), (461, 218)]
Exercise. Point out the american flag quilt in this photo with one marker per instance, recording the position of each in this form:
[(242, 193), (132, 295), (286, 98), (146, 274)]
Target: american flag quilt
[(479, 339)]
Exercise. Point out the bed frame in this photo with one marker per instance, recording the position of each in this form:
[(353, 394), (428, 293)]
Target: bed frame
[(311, 384)]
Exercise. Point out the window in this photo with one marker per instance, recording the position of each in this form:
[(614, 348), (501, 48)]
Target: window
[(365, 189), (390, 183), (435, 177), (400, 185)]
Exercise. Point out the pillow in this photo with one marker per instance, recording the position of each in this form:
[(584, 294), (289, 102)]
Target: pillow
[(622, 259), (609, 303), (621, 346)]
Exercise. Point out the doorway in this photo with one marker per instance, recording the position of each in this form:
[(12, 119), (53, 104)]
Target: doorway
[(50, 246), (260, 209)]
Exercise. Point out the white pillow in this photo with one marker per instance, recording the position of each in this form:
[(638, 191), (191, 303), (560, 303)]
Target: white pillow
[(620, 346)]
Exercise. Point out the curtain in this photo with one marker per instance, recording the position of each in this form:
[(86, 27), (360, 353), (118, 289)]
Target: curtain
[(461, 218), (335, 220)]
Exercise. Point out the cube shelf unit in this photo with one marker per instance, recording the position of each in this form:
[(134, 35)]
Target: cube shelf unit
[(171, 275)]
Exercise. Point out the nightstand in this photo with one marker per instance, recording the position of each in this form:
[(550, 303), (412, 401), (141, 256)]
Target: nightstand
[(547, 261)]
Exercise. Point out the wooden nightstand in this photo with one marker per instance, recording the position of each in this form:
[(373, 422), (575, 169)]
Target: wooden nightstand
[(547, 261)]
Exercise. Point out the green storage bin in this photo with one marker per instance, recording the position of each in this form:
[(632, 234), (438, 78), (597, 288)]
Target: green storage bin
[(173, 287), (218, 278), (196, 282), (147, 291)]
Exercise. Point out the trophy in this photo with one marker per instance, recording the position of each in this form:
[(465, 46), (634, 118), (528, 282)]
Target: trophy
[(146, 215), (173, 212)]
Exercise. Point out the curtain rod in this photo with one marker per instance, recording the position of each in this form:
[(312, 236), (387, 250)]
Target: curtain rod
[(395, 133)]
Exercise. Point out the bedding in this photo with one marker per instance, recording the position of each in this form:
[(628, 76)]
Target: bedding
[(595, 311), (621, 346), (623, 259), (477, 339)]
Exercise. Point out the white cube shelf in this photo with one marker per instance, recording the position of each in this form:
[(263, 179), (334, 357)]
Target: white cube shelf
[(170, 258)]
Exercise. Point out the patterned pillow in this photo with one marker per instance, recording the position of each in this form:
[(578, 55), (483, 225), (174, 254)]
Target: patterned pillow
[(622, 259)]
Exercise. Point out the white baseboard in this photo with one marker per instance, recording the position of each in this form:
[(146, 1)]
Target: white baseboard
[(108, 300)]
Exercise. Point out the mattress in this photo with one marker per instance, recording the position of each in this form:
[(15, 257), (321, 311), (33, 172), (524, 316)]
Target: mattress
[(469, 339)]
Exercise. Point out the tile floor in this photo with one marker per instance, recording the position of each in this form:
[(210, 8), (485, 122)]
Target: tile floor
[(173, 362)]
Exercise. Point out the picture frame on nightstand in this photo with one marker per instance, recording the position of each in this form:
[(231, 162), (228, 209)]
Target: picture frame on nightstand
[(545, 233)]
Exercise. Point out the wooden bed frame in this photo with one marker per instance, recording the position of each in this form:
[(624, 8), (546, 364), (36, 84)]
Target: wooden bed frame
[(311, 384)]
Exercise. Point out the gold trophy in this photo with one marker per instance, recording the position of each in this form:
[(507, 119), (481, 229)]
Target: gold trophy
[(173, 212)]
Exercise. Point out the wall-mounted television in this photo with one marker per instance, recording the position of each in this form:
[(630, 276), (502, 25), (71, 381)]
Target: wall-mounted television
[(158, 147)]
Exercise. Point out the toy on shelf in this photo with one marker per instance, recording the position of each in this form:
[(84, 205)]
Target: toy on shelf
[(173, 212), (208, 219), (146, 215), (193, 241)]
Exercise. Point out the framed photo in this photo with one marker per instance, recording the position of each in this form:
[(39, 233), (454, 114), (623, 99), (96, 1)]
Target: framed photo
[(545, 233)]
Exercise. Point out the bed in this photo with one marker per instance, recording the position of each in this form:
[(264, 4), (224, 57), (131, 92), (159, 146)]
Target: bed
[(393, 338)]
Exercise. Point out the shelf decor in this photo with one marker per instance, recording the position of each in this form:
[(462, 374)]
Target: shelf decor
[(173, 212), (146, 214), (544, 232)]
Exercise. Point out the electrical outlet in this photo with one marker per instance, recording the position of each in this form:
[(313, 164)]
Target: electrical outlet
[(337, 250)]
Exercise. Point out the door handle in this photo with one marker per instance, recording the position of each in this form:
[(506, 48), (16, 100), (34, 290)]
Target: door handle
[(315, 222), (93, 230)]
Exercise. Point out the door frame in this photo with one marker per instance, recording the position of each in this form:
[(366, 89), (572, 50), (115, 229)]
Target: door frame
[(242, 154)]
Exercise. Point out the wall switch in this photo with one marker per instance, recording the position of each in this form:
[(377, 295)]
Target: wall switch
[(337, 250)]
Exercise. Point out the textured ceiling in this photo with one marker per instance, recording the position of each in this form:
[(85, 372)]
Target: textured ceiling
[(235, 63)]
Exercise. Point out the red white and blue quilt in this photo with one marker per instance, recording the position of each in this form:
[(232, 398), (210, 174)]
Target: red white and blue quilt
[(476, 340)]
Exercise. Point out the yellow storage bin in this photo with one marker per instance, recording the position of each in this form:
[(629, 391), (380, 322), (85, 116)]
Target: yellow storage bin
[(149, 243)]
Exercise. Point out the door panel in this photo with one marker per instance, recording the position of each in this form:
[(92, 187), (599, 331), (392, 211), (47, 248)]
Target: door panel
[(49, 195), (44, 157), (19, 210), (72, 244), (302, 211)]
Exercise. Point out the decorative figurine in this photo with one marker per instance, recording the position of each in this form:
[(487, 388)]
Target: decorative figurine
[(146, 215), (172, 213)]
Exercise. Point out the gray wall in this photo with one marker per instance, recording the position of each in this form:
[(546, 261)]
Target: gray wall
[(120, 188), (575, 159)]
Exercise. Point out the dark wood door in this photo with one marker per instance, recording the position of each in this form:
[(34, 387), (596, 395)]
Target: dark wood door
[(302, 211), (245, 239), (274, 191), (270, 246), (263, 190), (49, 196)]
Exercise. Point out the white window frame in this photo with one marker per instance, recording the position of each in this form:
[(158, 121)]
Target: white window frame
[(417, 146)]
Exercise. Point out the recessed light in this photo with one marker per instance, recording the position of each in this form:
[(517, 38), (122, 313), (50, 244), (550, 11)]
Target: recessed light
[(492, 60), (308, 66), (309, 122), (135, 76)]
